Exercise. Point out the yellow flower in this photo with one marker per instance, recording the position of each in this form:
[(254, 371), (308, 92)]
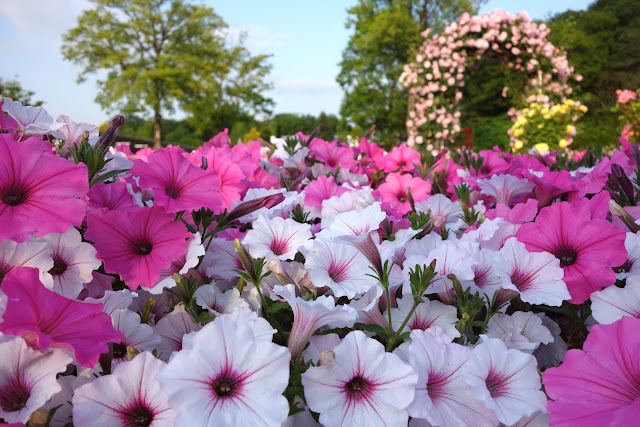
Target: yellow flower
[(541, 125), (542, 147), (570, 128), (519, 144), (563, 143), (546, 116)]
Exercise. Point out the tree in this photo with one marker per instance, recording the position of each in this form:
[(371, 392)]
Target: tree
[(14, 90), (603, 44), (385, 34), (163, 54)]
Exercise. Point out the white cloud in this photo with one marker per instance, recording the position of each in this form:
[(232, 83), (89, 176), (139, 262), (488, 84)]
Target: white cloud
[(257, 38)]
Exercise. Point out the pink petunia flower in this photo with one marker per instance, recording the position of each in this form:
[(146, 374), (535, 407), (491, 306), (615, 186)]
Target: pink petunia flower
[(332, 155), (394, 191), (587, 248), (365, 385), (27, 378), (137, 244), (178, 185), (505, 189), (227, 377), (45, 319), (130, 396), (232, 168), (401, 159), (39, 192), (112, 196), (320, 189), (600, 384)]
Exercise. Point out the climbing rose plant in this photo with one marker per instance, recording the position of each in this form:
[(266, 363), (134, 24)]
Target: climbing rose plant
[(436, 76)]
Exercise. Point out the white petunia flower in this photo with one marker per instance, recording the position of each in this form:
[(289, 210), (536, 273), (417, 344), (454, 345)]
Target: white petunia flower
[(521, 330), (426, 315), (365, 385), (340, 267), (613, 303), (27, 378), (505, 189), (506, 380), (443, 396), (277, 237), (552, 354), (221, 260), (227, 377), (35, 253), (73, 262), (309, 316), (130, 396), (31, 120), (217, 302), (353, 223), (136, 334), (535, 276), (443, 209), (172, 328), (356, 200), (631, 266)]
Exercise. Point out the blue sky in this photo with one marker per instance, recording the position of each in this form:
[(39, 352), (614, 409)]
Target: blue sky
[(305, 40)]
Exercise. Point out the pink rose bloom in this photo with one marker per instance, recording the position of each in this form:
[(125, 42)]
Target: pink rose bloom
[(626, 95), (599, 385), (394, 191)]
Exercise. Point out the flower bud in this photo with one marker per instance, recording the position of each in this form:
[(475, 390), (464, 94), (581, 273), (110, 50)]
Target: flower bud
[(107, 138), (628, 220), (245, 259), (245, 208)]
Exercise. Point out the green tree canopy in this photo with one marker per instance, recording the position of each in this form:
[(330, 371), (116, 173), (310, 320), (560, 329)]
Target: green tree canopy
[(161, 54), (603, 44), (386, 32), (12, 88)]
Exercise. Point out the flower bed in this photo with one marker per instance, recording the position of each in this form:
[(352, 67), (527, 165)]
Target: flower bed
[(307, 282)]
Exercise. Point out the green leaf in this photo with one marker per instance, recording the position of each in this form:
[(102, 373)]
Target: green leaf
[(106, 176)]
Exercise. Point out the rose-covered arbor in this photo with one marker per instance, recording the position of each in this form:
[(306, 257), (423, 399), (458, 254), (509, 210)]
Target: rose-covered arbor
[(437, 75)]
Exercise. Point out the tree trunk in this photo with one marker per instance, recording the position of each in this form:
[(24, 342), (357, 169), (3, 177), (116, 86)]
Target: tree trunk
[(157, 128)]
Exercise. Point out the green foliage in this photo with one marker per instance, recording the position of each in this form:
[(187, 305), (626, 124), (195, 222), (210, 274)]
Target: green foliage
[(385, 34), (11, 88), (162, 54), (603, 44)]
